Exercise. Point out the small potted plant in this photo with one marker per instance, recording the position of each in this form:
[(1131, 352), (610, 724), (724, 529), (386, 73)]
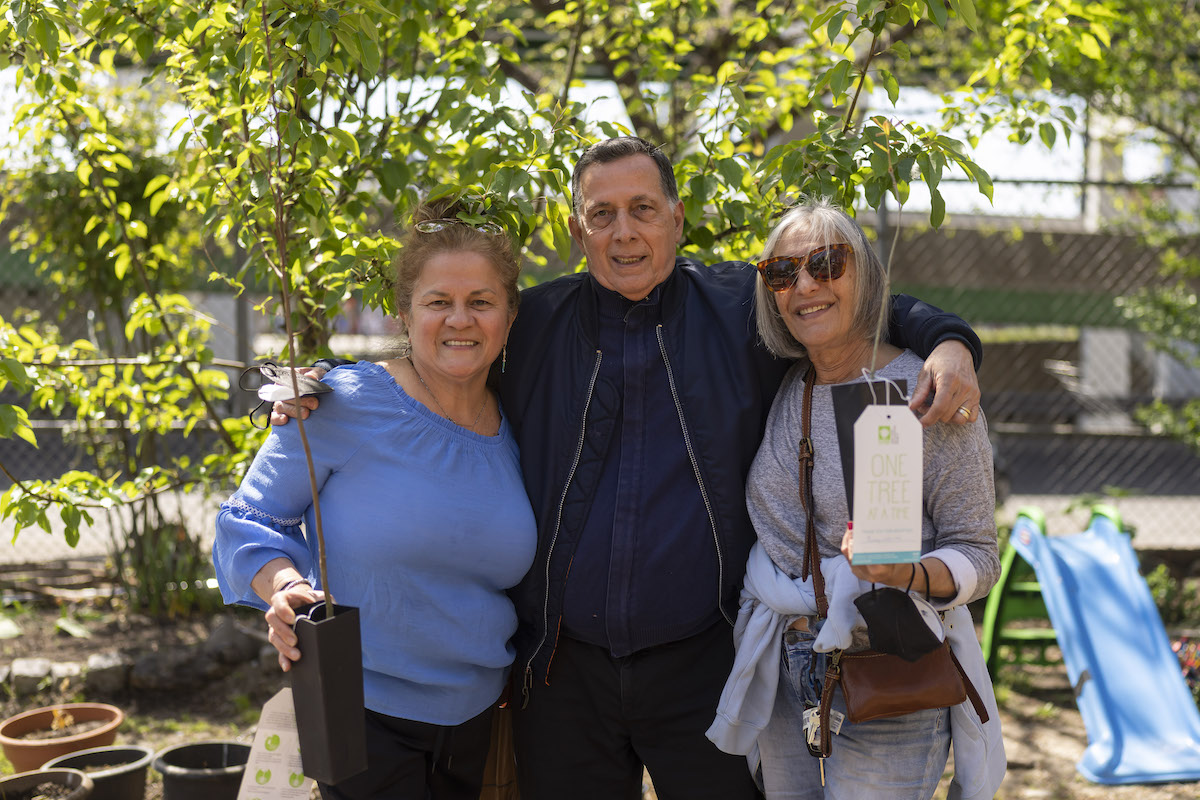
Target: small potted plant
[(118, 770), (53, 784), (32, 738)]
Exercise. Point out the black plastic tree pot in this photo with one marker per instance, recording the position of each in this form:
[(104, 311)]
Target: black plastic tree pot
[(118, 771), (327, 692), (78, 785), (202, 770)]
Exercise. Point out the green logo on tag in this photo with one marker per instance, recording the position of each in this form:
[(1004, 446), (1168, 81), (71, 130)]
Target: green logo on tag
[(885, 434)]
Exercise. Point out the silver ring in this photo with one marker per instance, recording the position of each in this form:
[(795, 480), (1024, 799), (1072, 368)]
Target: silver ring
[(966, 412)]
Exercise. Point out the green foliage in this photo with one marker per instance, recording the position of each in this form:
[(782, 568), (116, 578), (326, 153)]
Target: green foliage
[(129, 470), (310, 129), (1170, 316), (1151, 78), (1178, 601), (306, 133), (1132, 61), (1180, 421)]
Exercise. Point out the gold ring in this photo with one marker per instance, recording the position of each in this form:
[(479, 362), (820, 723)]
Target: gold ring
[(966, 412)]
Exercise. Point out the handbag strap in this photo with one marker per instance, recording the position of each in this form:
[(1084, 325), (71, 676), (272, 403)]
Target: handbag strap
[(833, 674), (972, 693), (812, 559)]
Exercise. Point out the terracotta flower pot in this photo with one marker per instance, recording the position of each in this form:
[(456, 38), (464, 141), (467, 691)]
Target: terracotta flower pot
[(78, 784), (28, 754), (119, 770)]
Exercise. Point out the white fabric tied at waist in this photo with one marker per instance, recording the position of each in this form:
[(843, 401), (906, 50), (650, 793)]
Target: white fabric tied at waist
[(770, 600)]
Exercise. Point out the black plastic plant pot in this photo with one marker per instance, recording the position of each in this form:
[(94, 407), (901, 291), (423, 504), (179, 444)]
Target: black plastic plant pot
[(118, 771), (327, 691), (69, 784), (202, 770)]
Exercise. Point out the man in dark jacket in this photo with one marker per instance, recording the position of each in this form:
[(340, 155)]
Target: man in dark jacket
[(638, 392)]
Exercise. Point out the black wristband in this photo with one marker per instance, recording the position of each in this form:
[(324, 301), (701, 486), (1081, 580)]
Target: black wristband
[(928, 598), (293, 582)]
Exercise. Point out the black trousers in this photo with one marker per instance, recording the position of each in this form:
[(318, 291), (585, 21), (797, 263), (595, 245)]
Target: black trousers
[(409, 760), (587, 735)]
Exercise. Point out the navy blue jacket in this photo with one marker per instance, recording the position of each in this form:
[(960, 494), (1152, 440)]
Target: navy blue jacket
[(723, 382)]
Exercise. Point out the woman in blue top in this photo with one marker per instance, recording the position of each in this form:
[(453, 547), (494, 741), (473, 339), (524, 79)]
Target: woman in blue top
[(425, 518)]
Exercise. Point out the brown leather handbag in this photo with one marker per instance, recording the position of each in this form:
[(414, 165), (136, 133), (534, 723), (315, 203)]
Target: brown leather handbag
[(880, 685)]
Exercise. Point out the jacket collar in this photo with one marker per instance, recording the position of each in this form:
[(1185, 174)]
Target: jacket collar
[(671, 294)]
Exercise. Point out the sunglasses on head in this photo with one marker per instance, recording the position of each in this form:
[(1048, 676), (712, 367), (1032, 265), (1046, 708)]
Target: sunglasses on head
[(435, 225), (823, 264)]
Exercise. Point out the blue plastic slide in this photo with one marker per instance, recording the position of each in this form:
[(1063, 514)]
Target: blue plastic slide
[(1142, 724)]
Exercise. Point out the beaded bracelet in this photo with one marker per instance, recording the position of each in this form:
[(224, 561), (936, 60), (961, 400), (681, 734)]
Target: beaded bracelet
[(293, 582)]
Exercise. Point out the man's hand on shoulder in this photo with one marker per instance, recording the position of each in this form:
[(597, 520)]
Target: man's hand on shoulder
[(947, 388), (285, 410)]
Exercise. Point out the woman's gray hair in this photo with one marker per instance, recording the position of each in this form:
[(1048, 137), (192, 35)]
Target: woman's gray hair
[(826, 224)]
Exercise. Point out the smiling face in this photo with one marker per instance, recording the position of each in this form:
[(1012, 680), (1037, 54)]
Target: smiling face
[(626, 226), (459, 318), (819, 314)]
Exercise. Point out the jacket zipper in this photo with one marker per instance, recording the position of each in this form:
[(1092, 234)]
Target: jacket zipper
[(687, 442), (527, 683)]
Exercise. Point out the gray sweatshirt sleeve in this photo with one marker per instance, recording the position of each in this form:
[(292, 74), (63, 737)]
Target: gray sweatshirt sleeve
[(960, 501)]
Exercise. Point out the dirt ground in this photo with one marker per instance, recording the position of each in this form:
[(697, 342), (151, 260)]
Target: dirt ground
[(226, 708), (1044, 737), (1044, 733)]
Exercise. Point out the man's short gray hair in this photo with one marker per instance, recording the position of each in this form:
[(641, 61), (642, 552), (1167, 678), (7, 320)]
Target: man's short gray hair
[(619, 147)]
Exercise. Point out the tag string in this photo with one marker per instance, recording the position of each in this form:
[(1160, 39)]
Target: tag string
[(866, 373)]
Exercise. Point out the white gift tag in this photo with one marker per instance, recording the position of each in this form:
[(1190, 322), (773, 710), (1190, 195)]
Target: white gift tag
[(273, 771), (888, 468), (274, 392)]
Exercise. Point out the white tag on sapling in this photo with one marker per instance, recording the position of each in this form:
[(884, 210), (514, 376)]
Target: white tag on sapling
[(888, 468), (273, 771)]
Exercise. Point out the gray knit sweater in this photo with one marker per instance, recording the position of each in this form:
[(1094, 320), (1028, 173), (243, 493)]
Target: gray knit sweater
[(958, 508)]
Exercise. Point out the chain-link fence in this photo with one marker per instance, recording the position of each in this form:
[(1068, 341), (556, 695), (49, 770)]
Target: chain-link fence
[(238, 336), (1064, 373), (1062, 376)]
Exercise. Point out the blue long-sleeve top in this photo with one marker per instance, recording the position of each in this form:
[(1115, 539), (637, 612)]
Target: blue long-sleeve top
[(426, 525)]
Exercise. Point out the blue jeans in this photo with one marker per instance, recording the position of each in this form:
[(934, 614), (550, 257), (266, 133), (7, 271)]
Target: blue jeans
[(888, 759)]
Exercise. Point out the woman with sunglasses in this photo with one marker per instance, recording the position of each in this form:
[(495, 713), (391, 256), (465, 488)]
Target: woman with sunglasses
[(820, 296), (425, 518)]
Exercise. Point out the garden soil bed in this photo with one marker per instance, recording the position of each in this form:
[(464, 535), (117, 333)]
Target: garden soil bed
[(1043, 731), (225, 708), (45, 791)]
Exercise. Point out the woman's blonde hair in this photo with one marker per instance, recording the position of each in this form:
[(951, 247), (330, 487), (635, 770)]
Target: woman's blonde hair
[(826, 224)]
